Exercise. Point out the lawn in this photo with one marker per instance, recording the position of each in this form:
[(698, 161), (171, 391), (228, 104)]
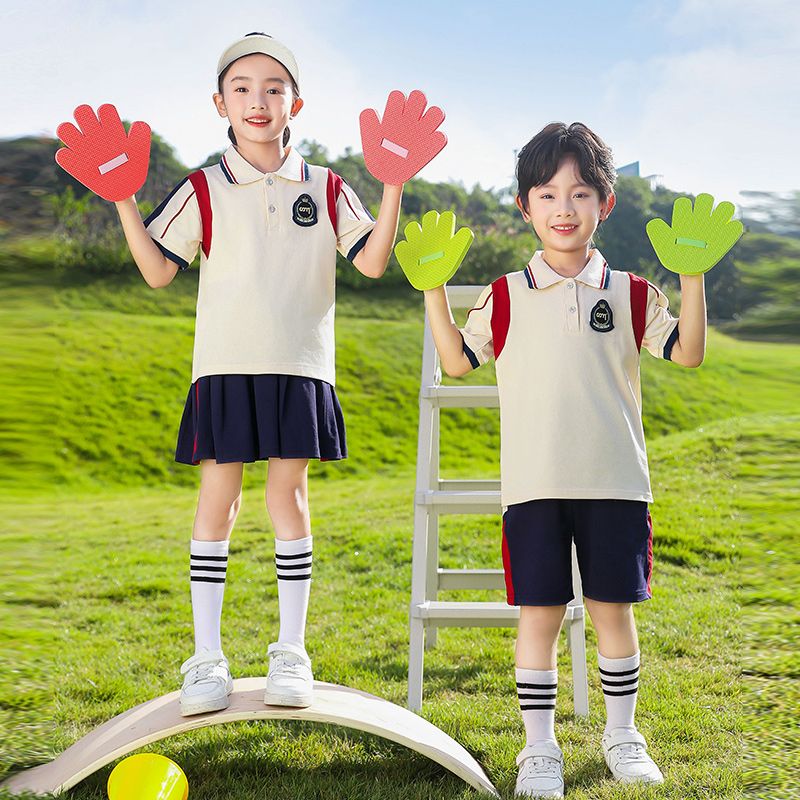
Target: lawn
[(95, 616)]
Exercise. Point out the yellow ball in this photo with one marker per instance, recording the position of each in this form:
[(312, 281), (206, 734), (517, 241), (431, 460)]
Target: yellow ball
[(147, 776)]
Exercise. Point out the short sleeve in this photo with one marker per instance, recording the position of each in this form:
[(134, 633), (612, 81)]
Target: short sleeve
[(353, 223), (477, 331), (661, 328), (175, 225)]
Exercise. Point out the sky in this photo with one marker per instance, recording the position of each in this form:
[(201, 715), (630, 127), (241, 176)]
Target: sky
[(705, 93)]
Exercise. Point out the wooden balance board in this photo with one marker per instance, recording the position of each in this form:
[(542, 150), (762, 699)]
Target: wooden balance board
[(157, 719)]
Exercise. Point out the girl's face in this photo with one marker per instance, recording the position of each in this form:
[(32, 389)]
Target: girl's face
[(257, 99), (565, 212)]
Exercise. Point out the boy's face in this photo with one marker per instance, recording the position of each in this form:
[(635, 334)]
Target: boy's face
[(257, 99), (565, 211)]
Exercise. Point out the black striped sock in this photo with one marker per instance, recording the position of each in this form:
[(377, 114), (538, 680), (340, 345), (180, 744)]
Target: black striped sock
[(208, 565), (620, 681), (536, 692), (293, 560)]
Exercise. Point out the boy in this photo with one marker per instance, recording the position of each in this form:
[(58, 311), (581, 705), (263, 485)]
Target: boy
[(566, 334)]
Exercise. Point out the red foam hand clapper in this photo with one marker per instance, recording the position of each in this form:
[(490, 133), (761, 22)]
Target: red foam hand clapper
[(398, 146), (101, 155)]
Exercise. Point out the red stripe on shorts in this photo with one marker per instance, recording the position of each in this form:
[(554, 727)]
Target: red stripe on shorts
[(649, 552), (507, 569)]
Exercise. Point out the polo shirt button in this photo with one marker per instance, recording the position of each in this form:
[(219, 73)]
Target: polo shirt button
[(572, 309), (570, 285), (272, 209), (270, 181)]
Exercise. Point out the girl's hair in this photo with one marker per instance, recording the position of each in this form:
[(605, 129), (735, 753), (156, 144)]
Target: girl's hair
[(295, 95), (539, 159)]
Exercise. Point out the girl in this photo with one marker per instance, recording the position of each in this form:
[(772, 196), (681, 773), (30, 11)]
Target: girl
[(269, 226)]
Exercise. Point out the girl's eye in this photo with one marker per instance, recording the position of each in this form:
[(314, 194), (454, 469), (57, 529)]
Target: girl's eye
[(581, 194), (546, 196)]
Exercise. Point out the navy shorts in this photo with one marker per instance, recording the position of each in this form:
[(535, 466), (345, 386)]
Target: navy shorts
[(613, 540)]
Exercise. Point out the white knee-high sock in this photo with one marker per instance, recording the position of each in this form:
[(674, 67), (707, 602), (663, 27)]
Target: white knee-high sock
[(208, 564), (536, 690), (620, 680), (293, 568)]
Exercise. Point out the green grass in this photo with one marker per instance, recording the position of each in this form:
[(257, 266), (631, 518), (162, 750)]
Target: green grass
[(94, 606)]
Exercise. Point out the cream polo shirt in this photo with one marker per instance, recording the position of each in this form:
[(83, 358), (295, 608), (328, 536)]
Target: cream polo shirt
[(265, 302), (567, 360)]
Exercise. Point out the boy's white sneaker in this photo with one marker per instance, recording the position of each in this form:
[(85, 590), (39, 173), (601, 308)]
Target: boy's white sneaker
[(541, 770), (625, 751), (206, 684), (289, 680)]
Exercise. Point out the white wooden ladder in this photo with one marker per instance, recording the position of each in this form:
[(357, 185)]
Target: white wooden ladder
[(434, 497)]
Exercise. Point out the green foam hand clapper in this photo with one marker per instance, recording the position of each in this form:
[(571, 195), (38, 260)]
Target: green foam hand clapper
[(433, 251), (698, 238)]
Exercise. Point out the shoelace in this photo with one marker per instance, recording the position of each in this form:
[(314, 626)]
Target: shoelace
[(542, 766), (202, 672), (287, 667), (630, 753)]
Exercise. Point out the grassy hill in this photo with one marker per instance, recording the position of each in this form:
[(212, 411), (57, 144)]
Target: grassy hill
[(107, 366)]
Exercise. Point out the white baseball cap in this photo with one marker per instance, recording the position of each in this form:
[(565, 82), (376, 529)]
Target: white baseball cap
[(260, 43)]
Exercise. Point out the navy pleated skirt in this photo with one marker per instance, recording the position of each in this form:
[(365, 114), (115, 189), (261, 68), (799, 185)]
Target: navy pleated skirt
[(232, 418)]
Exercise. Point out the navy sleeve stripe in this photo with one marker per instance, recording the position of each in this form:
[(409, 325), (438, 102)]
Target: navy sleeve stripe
[(181, 262), (358, 246), (673, 337), (163, 203), (469, 354)]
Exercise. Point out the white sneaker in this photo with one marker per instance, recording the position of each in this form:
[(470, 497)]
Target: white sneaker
[(626, 755), (289, 681), (207, 683), (541, 771)]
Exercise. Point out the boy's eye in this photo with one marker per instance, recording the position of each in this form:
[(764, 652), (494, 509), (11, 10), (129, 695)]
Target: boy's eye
[(240, 89)]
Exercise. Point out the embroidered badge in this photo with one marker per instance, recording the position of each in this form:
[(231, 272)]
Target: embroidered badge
[(304, 211), (601, 318)]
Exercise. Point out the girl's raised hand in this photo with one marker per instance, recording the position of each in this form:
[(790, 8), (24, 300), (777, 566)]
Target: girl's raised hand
[(101, 155), (398, 146)]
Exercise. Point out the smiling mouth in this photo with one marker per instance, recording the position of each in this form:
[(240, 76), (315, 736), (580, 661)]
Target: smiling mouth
[(257, 121), (564, 228)]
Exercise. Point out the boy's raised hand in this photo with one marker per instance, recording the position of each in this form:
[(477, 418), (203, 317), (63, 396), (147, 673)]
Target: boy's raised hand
[(101, 155), (432, 252), (398, 146), (698, 238)]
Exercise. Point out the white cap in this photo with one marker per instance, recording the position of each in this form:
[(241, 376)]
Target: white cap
[(260, 43)]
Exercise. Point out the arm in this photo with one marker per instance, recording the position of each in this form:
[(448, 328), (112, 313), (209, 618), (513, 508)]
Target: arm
[(689, 350), (372, 260), (446, 335), (156, 269)]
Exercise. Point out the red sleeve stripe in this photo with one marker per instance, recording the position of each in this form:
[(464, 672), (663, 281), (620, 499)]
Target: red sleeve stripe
[(355, 213), (478, 308), (333, 191), (200, 183), (177, 214), (638, 307), (657, 290), (501, 314)]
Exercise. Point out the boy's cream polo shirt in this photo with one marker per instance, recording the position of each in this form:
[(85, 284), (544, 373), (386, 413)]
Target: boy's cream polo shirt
[(265, 302), (568, 379)]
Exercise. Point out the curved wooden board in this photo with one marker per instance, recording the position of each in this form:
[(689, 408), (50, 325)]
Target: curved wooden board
[(157, 719)]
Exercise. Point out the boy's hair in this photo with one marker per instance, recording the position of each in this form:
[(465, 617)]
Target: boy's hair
[(295, 95), (539, 159)]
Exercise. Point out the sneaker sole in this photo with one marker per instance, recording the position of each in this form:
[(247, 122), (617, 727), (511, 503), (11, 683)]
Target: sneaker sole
[(291, 700), (189, 710)]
